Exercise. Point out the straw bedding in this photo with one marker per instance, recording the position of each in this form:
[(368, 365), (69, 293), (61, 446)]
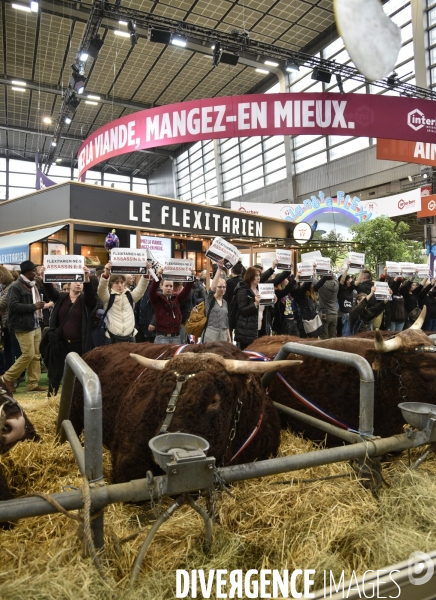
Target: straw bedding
[(334, 524)]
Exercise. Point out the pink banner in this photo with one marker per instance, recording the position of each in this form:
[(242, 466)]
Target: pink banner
[(362, 115)]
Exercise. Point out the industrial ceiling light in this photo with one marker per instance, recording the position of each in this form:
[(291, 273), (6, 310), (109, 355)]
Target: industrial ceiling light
[(339, 82), (58, 160), (91, 102), (92, 97), (229, 59), (18, 89), (216, 55), (54, 143), (21, 7), (121, 33), (34, 6), (131, 28), (321, 75), (47, 120), (17, 82), (179, 40), (292, 65), (159, 37), (67, 120), (84, 55), (73, 103), (270, 63), (262, 71)]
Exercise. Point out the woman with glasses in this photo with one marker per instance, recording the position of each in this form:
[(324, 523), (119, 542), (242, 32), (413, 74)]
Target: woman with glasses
[(217, 324)]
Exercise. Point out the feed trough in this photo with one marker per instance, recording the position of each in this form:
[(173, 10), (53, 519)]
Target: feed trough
[(418, 414), (177, 447)]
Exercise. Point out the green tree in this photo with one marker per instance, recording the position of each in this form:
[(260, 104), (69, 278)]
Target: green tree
[(381, 238)]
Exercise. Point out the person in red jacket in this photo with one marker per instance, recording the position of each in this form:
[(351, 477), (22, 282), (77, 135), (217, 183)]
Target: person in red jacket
[(166, 307)]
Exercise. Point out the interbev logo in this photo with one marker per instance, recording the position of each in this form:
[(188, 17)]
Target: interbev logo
[(417, 120)]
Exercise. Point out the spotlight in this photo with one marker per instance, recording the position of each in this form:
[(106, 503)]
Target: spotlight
[(339, 82), (77, 82), (131, 28), (67, 120), (292, 65), (54, 143), (321, 75), (159, 37), (94, 46), (83, 55), (73, 103), (76, 69), (229, 59), (216, 54), (392, 79), (178, 40)]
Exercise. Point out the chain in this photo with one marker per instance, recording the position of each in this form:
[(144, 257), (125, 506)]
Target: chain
[(233, 430), (155, 509), (402, 391)]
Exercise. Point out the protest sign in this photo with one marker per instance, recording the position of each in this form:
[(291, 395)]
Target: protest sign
[(356, 260), (266, 291), (323, 266), (128, 261), (284, 258), (311, 256), (408, 269), (221, 249), (178, 269), (382, 291), (64, 269), (422, 271), (394, 269), (306, 271)]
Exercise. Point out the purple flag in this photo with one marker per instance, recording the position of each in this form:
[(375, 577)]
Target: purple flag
[(42, 181)]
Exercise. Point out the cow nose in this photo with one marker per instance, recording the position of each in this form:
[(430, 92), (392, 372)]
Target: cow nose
[(14, 429)]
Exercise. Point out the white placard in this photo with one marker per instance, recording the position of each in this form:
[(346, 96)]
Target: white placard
[(266, 291), (382, 291), (127, 261), (222, 249), (394, 269), (407, 268), (422, 271), (356, 260), (306, 271), (285, 260), (311, 256), (178, 269), (323, 266), (64, 269)]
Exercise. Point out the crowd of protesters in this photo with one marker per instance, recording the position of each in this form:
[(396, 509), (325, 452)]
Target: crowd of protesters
[(108, 308)]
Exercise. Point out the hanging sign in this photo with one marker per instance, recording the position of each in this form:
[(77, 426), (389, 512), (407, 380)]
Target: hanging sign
[(302, 233), (266, 292), (64, 269), (126, 261), (221, 249), (422, 153), (284, 258), (326, 113), (178, 269)]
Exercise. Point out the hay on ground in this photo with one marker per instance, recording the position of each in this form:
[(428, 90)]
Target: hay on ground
[(333, 524)]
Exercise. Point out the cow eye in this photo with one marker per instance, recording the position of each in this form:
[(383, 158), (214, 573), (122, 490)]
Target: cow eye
[(215, 402)]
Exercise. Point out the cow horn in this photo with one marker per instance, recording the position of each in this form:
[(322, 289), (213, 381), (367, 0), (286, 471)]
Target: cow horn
[(150, 363), (245, 366), (387, 346), (420, 320)]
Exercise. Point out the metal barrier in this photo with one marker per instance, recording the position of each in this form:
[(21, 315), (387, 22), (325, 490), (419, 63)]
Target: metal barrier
[(366, 375)]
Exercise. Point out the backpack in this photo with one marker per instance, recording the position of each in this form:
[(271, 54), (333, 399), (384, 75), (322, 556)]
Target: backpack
[(196, 321), (110, 304)]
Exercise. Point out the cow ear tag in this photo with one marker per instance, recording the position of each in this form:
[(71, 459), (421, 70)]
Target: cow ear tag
[(372, 40)]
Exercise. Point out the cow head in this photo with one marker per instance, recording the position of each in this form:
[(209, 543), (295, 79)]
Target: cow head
[(409, 340), (12, 422)]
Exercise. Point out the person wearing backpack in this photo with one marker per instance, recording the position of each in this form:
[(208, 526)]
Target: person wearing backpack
[(119, 304)]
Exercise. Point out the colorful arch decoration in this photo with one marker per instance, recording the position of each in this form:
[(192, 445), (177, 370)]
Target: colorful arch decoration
[(362, 115)]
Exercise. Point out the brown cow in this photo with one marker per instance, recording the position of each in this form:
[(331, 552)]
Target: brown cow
[(410, 355), (14, 427), (136, 394)]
